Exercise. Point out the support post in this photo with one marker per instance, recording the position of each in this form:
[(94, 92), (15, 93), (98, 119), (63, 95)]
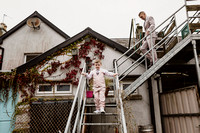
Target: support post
[(196, 62), (156, 102), (129, 44), (151, 103)]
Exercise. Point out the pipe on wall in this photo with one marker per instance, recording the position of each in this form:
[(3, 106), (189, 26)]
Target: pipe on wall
[(196, 61)]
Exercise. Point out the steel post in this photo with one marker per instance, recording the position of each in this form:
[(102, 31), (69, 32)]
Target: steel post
[(196, 61)]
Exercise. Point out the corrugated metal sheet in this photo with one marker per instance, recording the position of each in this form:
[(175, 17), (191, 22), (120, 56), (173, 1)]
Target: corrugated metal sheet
[(181, 110)]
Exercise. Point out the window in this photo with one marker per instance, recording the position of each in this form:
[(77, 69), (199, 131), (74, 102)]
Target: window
[(55, 90), (45, 88), (30, 56), (62, 88), (125, 85)]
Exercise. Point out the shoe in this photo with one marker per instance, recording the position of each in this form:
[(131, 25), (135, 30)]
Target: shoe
[(102, 110), (151, 63), (97, 112)]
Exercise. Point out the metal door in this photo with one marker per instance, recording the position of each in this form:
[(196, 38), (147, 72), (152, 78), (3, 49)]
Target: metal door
[(180, 110)]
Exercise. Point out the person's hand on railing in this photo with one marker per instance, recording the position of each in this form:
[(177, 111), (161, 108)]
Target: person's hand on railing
[(84, 74), (115, 74)]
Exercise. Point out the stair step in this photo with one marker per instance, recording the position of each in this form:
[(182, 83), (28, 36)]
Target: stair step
[(147, 74), (193, 7), (100, 114), (194, 26), (108, 100), (106, 105), (101, 124)]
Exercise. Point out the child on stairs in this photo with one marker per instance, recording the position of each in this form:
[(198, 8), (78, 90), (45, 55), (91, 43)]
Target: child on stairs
[(99, 86)]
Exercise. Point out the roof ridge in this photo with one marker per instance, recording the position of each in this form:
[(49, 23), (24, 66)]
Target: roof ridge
[(87, 31), (23, 22)]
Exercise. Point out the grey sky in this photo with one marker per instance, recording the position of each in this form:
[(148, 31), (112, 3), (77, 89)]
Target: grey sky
[(110, 18)]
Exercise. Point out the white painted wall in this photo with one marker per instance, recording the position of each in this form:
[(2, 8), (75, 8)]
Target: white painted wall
[(28, 40), (139, 109)]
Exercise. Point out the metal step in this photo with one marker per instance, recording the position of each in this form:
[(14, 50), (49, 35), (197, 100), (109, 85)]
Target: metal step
[(101, 124), (147, 74), (109, 100), (106, 105), (194, 26), (107, 114), (193, 7)]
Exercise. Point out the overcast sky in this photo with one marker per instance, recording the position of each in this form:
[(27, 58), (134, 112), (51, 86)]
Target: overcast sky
[(111, 18)]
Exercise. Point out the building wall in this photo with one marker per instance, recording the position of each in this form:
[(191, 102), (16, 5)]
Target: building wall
[(28, 40), (111, 54), (137, 111)]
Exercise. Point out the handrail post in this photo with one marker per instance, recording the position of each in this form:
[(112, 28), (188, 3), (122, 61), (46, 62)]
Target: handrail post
[(145, 59), (176, 28), (196, 61), (119, 101), (188, 21), (152, 48), (129, 43), (68, 125)]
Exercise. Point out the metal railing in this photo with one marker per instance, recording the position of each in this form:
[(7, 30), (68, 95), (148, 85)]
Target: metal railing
[(79, 103), (164, 42), (119, 102)]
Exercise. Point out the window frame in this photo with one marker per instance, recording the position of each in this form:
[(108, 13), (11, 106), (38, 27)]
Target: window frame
[(30, 54), (44, 92), (136, 91), (63, 92), (54, 91)]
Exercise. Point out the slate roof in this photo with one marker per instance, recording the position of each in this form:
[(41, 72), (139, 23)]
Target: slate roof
[(87, 31), (22, 23)]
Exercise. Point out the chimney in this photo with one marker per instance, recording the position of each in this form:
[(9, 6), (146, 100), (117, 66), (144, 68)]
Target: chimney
[(3, 28)]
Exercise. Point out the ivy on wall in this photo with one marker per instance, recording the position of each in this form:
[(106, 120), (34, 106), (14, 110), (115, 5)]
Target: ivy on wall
[(26, 83)]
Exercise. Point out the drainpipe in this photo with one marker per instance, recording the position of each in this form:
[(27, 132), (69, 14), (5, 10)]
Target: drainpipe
[(151, 104), (1, 60), (196, 62)]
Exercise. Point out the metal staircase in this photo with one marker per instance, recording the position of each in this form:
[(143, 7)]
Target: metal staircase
[(82, 118), (170, 44)]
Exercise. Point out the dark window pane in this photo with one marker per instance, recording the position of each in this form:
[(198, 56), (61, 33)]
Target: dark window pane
[(63, 87), (30, 57), (125, 86), (45, 88)]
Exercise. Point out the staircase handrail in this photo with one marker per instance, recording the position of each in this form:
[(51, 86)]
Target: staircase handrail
[(156, 46), (150, 32), (119, 101), (79, 97)]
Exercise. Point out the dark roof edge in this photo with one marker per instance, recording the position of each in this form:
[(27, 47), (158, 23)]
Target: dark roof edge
[(87, 31), (22, 23)]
